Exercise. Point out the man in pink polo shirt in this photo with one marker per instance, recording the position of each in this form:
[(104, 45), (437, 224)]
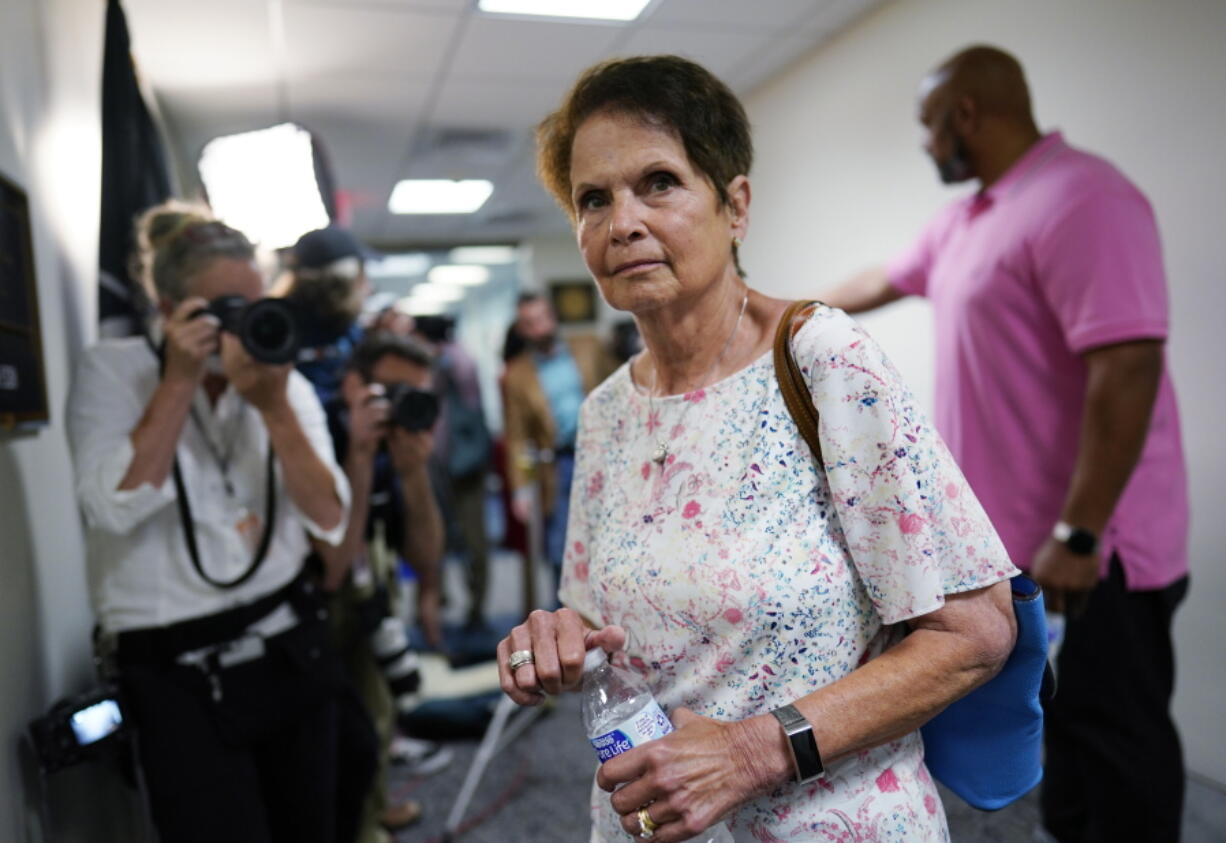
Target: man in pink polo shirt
[(1050, 312)]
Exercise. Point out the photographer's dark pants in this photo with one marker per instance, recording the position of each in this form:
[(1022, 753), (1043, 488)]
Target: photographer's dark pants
[(1114, 765), (260, 764)]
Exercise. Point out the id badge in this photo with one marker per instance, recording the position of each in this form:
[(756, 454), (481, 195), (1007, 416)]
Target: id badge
[(249, 527)]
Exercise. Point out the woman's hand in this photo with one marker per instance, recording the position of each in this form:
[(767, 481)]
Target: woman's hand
[(558, 642), (190, 339), (262, 385), (689, 779)]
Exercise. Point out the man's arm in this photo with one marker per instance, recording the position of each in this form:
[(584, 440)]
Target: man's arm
[(1121, 388), (423, 541), (865, 290)]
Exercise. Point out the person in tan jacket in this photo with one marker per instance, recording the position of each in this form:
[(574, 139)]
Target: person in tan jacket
[(544, 386)]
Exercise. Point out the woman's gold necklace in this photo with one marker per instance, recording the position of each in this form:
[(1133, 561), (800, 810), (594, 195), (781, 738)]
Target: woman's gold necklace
[(660, 454)]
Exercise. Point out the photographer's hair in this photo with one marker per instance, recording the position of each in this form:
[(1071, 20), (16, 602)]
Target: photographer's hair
[(669, 92), (374, 347), (176, 240), (331, 299)]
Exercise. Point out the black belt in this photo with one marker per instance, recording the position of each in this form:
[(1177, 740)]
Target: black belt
[(161, 645)]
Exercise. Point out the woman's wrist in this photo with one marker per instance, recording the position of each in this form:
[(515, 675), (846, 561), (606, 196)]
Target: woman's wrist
[(761, 750)]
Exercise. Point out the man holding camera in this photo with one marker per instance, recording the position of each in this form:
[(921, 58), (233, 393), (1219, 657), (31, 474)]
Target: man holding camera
[(381, 429), (200, 472)]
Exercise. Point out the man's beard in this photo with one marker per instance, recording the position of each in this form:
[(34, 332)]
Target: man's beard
[(957, 165)]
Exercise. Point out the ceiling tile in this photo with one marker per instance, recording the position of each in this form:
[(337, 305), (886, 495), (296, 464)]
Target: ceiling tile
[(731, 14), (180, 46), (496, 102), (198, 115), (719, 52), (382, 39), (456, 6), (494, 48)]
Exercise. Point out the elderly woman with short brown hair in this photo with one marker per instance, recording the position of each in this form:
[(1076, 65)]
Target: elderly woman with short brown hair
[(749, 585)]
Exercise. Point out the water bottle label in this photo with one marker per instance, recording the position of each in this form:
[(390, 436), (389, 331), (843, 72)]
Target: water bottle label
[(648, 724)]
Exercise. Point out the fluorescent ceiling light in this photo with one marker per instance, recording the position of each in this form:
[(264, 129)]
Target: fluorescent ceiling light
[(436, 292), (418, 307), (488, 255), (439, 196), (465, 276), (619, 10), (406, 265), (263, 184)]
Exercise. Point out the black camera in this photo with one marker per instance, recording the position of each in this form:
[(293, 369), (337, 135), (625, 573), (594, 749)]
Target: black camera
[(78, 728), (269, 329), (413, 409)]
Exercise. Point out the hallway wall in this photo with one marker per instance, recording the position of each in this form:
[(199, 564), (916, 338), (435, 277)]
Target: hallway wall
[(50, 78)]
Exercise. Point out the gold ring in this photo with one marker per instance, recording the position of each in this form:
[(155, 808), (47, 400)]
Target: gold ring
[(520, 658), (647, 826)]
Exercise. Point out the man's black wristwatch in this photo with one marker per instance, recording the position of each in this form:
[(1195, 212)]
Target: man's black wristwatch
[(1077, 539), (806, 760)]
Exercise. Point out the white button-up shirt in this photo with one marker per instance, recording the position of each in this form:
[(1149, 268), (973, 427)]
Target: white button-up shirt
[(140, 571)]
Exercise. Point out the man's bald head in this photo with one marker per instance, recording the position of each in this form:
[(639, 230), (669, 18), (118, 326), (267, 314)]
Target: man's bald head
[(989, 77), (975, 109)]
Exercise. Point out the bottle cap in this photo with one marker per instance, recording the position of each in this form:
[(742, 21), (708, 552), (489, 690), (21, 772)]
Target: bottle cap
[(595, 658)]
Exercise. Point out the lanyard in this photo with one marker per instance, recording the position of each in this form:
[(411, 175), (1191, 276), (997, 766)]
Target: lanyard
[(185, 507)]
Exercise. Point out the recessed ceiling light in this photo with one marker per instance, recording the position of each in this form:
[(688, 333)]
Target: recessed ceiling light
[(439, 196), (618, 10), (488, 255), (406, 265), (263, 183), (434, 292), (465, 276), (420, 307)]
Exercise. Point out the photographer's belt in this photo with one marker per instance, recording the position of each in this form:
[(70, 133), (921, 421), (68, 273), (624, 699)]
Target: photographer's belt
[(246, 648)]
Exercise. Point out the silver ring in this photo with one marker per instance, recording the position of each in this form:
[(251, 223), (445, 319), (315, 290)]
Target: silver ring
[(520, 658)]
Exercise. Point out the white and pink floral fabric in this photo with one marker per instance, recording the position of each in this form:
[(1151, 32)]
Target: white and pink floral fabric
[(747, 578)]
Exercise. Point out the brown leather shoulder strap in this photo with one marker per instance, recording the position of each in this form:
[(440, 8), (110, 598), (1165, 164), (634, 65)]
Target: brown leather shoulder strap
[(792, 382)]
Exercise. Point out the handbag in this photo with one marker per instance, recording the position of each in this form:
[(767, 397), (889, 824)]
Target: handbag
[(987, 746)]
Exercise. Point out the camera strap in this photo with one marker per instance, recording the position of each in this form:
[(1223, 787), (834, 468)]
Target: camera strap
[(189, 527), (185, 507)]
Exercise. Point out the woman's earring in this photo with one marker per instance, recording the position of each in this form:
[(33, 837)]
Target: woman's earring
[(736, 242)]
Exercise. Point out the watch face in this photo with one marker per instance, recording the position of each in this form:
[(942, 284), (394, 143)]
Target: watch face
[(1081, 541)]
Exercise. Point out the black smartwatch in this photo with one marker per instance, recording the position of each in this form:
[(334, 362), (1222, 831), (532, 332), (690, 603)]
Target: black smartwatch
[(806, 760), (1077, 539)]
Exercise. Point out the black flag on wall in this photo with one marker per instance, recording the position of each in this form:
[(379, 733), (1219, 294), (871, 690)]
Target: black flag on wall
[(134, 177)]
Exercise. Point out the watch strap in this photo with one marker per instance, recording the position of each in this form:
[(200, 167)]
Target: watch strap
[(806, 760)]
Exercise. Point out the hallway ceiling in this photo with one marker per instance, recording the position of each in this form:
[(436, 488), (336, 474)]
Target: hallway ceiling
[(432, 88)]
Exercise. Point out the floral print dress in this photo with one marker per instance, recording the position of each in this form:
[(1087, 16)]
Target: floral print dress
[(746, 578)]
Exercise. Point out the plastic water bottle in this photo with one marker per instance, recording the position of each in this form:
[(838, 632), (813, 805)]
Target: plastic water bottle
[(619, 713)]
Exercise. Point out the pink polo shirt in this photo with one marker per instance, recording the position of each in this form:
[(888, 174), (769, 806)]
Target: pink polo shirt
[(1059, 257)]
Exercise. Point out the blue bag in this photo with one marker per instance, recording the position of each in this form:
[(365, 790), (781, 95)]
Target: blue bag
[(987, 746)]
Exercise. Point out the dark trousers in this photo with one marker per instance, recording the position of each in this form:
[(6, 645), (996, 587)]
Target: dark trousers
[(1114, 765), (258, 766)]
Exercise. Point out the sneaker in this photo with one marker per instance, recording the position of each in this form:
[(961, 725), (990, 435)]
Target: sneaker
[(418, 757)]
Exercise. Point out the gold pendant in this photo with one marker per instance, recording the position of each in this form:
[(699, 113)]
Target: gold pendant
[(660, 453)]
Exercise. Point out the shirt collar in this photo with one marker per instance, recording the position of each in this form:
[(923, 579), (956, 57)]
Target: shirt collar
[(1043, 149)]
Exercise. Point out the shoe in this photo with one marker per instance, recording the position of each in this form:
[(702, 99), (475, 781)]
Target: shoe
[(400, 815), (418, 757)]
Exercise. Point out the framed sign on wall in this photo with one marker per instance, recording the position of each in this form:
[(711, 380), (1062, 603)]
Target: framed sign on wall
[(573, 301), (23, 384)]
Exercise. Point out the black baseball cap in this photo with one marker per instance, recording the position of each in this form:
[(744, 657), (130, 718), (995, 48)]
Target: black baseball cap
[(323, 246)]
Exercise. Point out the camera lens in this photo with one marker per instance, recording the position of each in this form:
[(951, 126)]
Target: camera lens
[(413, 409), (270, 331)]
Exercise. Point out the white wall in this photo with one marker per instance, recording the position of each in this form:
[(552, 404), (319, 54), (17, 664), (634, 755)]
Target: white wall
[(50, 76), (840, 183)]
